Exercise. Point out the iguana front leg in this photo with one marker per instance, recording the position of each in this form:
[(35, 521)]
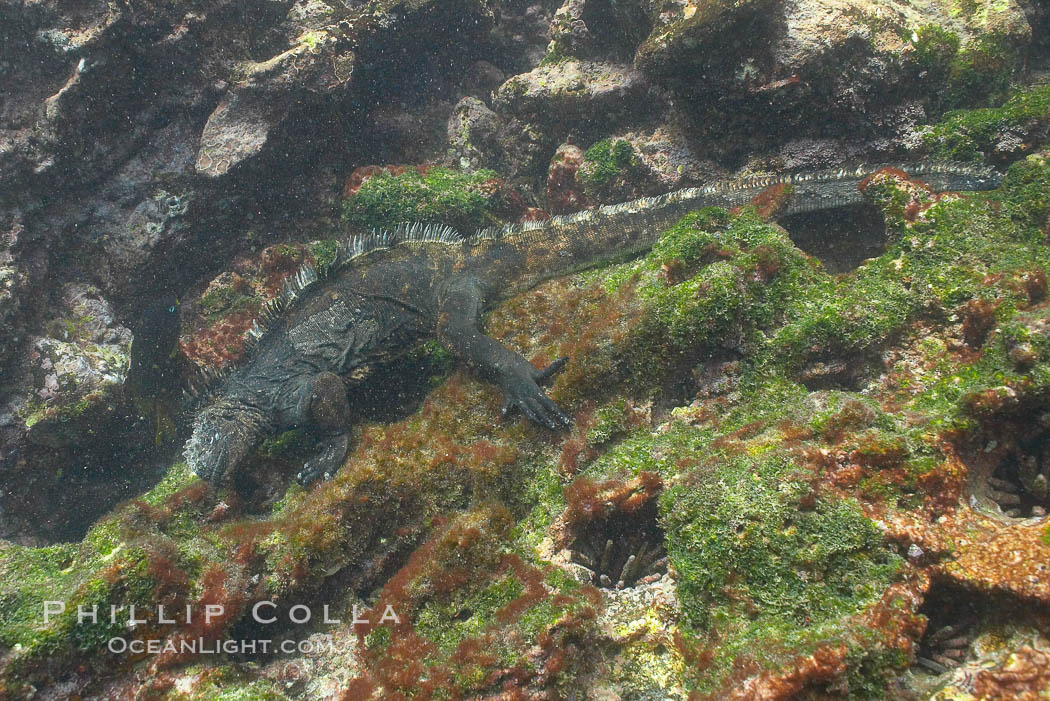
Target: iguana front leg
[(324, 404), (459, 310)]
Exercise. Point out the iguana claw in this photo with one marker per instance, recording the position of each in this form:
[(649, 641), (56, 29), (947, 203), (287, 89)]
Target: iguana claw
[(327, 461), (524, 394)]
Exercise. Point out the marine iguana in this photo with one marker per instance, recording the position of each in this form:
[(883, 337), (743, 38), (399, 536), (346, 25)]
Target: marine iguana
[(388, 291)]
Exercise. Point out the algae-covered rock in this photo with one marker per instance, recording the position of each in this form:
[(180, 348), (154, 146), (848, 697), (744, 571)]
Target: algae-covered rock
[(772, 501), (473, 131), (783, 479), (993, 134), (587, 29), (605, 94), (462, 200), (79, 368), (773, 64)]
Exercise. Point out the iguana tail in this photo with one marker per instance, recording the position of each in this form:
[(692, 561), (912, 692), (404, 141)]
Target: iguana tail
[(518, 256)]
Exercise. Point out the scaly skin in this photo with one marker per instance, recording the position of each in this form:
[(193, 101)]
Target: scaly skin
[(424, 282)]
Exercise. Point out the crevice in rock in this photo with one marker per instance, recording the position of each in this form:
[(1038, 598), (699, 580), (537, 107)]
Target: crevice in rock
[(840, 238), (623, 549), (1008, 458), (952, 615)]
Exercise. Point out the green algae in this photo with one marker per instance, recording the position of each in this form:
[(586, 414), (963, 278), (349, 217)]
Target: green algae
[(606, 164), (542, 501), (123, 560), (223, 301), (460, 200), (295, 442), (972, 135), (770, 562), (1025, 194), (28, 577), (941, 261), (475, 605), (36, 410), (225, 683), (324, 252), (611, 422), (467, 615), (966, 74), (770, 568), (764, 562), (178, 478), (705, 287)]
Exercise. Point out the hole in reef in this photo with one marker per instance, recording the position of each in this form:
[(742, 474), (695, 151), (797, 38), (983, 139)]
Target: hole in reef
[(1008, 458), (951, 615), (972, 630), (346, 594), (621, 549), (841, 238), (1019, 483)]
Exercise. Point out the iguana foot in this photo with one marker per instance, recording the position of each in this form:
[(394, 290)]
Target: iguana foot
[(326, 462), (522, 392)]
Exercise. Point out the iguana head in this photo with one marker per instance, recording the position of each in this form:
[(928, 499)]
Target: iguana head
[(223, 435)]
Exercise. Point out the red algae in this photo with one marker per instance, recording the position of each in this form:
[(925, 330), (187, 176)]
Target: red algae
[(588, 499), (1024, 677), (978, 321), (771, 201)]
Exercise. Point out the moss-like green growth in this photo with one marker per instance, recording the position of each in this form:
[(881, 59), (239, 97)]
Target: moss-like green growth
[(475, 606), (971, 135), (774, 558), (1026, 193), (941, 261), (323, 252), (607, 167), (964, 75), (226, 683), (935, 49), (36, 410), (1045, 536), (765, 564), (463, 201), (297, 441), (706, 286), (142, 553), (222, 301), (611, 422), (556, 54), (28, 577)]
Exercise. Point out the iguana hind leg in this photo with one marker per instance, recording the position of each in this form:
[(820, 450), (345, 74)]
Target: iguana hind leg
[(327, 409)]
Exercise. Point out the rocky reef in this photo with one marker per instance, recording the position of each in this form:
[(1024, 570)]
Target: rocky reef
[(810, 454)]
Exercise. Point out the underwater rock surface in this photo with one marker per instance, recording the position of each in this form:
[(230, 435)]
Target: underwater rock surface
[(809, 456)]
